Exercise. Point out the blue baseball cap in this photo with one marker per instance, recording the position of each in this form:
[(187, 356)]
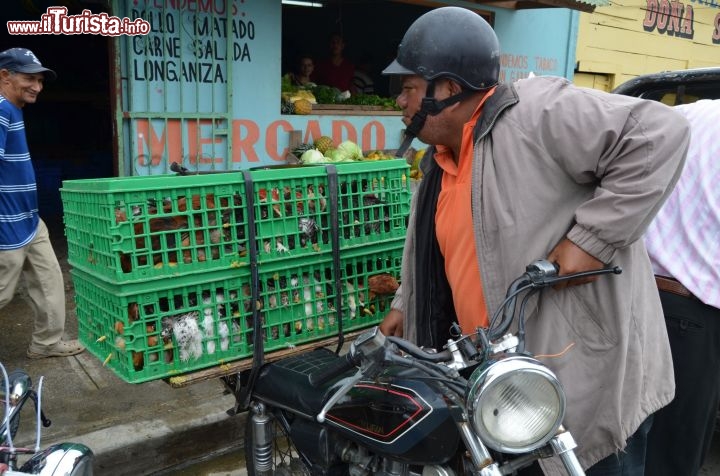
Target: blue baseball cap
[(23, 60)]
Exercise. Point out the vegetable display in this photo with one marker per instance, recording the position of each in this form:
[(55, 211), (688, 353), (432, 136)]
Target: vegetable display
[(293, 98), (325, 151)]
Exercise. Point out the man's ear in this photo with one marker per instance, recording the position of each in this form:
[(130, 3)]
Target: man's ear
[(446, 87), (455, 87)]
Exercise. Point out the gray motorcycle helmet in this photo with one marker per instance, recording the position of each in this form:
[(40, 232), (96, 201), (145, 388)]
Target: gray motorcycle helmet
[(450, 42)]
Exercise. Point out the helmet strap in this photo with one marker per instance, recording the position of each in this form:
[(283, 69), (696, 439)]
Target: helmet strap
[(433, 107), (430, 106), (416, 123)]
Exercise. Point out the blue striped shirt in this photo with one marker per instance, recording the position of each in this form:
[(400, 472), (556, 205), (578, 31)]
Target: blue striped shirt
[(18, 191)]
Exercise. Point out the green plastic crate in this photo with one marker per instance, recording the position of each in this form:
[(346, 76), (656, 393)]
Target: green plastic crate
[(126, 230), (299, 302), (357, 266), (293, 207), (133, 229), (131, 326)]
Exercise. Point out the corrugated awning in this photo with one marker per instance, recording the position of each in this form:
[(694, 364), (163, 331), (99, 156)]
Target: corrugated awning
[(581, 5)]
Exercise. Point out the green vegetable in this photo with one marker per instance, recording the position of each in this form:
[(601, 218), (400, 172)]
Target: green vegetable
[(312, 156), (336, 155), (325, 94), (286, 85), (351, 150), (371, 100)]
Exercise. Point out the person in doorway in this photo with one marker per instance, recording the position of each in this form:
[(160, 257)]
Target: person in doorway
[(534, 169), (25, 247), (300, 76), (683, 242), (336, 70), (363, 81)]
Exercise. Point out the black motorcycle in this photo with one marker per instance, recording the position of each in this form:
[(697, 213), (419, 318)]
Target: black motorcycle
[(481, 406), (62, 459)]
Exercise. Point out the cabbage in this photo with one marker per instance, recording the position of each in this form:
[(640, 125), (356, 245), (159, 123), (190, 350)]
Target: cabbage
[(347, 152), (312, 156), (351, 150), (337, 155)]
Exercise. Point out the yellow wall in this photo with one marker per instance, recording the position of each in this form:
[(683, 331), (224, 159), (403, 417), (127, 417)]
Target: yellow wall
[(633, 37)]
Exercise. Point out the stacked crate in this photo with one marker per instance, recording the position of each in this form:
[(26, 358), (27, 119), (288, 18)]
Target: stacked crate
[(171, 271)]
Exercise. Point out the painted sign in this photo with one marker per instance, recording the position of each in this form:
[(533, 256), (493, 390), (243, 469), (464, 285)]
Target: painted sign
[(196, 145), (675, 18), (514, 67)]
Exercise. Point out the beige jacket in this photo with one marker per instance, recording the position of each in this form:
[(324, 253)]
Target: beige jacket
[(552, 161)]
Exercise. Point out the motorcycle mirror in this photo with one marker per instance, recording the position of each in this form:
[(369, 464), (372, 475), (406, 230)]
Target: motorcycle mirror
[(20, 382)]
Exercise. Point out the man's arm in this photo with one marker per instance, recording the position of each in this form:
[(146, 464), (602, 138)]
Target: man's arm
[(632, 149), (392, 324)]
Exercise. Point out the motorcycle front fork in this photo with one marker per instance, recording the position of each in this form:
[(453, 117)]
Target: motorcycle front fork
[(562, 445), (479, 454)]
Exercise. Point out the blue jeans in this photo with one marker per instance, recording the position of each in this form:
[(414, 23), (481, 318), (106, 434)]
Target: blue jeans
[(630, 461)]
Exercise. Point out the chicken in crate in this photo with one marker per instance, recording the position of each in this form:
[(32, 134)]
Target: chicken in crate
[(297, 209), (304, 300), (161, 265), (152, 330), (133, 229), (163, 328), (181, 230)]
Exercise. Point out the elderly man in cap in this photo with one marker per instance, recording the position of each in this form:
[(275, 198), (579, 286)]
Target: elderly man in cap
[(25, 247)]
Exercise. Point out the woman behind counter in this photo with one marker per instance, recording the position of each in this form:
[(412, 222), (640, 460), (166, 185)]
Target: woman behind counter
[(304, 67)]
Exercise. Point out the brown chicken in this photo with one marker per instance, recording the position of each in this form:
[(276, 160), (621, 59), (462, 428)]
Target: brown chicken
[(381, 284)]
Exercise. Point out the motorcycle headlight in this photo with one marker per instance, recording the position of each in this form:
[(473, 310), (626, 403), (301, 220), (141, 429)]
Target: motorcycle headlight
[(515, 404)]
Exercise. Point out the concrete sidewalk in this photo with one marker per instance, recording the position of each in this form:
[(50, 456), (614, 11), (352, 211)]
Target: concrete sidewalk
[(133, 429)]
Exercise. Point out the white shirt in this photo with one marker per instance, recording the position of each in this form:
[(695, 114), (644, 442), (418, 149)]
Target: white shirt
[(684, 238)]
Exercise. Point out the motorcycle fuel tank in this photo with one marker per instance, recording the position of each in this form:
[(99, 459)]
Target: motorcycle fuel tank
[(406, 420)]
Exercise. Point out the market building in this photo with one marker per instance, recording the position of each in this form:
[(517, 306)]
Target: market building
[(199, 84), (202, 86)]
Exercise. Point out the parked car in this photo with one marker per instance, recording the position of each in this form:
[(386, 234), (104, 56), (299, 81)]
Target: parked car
[(675, 87)]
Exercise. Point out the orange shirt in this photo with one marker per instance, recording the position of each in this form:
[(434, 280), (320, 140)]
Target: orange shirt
[(454, 230)]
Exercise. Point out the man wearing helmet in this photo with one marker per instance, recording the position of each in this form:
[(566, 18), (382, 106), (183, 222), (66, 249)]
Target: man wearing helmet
[(539, 168)]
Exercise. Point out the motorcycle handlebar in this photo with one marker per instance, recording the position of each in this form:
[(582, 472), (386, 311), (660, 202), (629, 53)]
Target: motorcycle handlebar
[(538, 274), (415, 351), (340, 366)]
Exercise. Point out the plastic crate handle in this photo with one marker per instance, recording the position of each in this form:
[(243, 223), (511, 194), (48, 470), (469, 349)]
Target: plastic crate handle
[(243, 399), (335, 243)]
